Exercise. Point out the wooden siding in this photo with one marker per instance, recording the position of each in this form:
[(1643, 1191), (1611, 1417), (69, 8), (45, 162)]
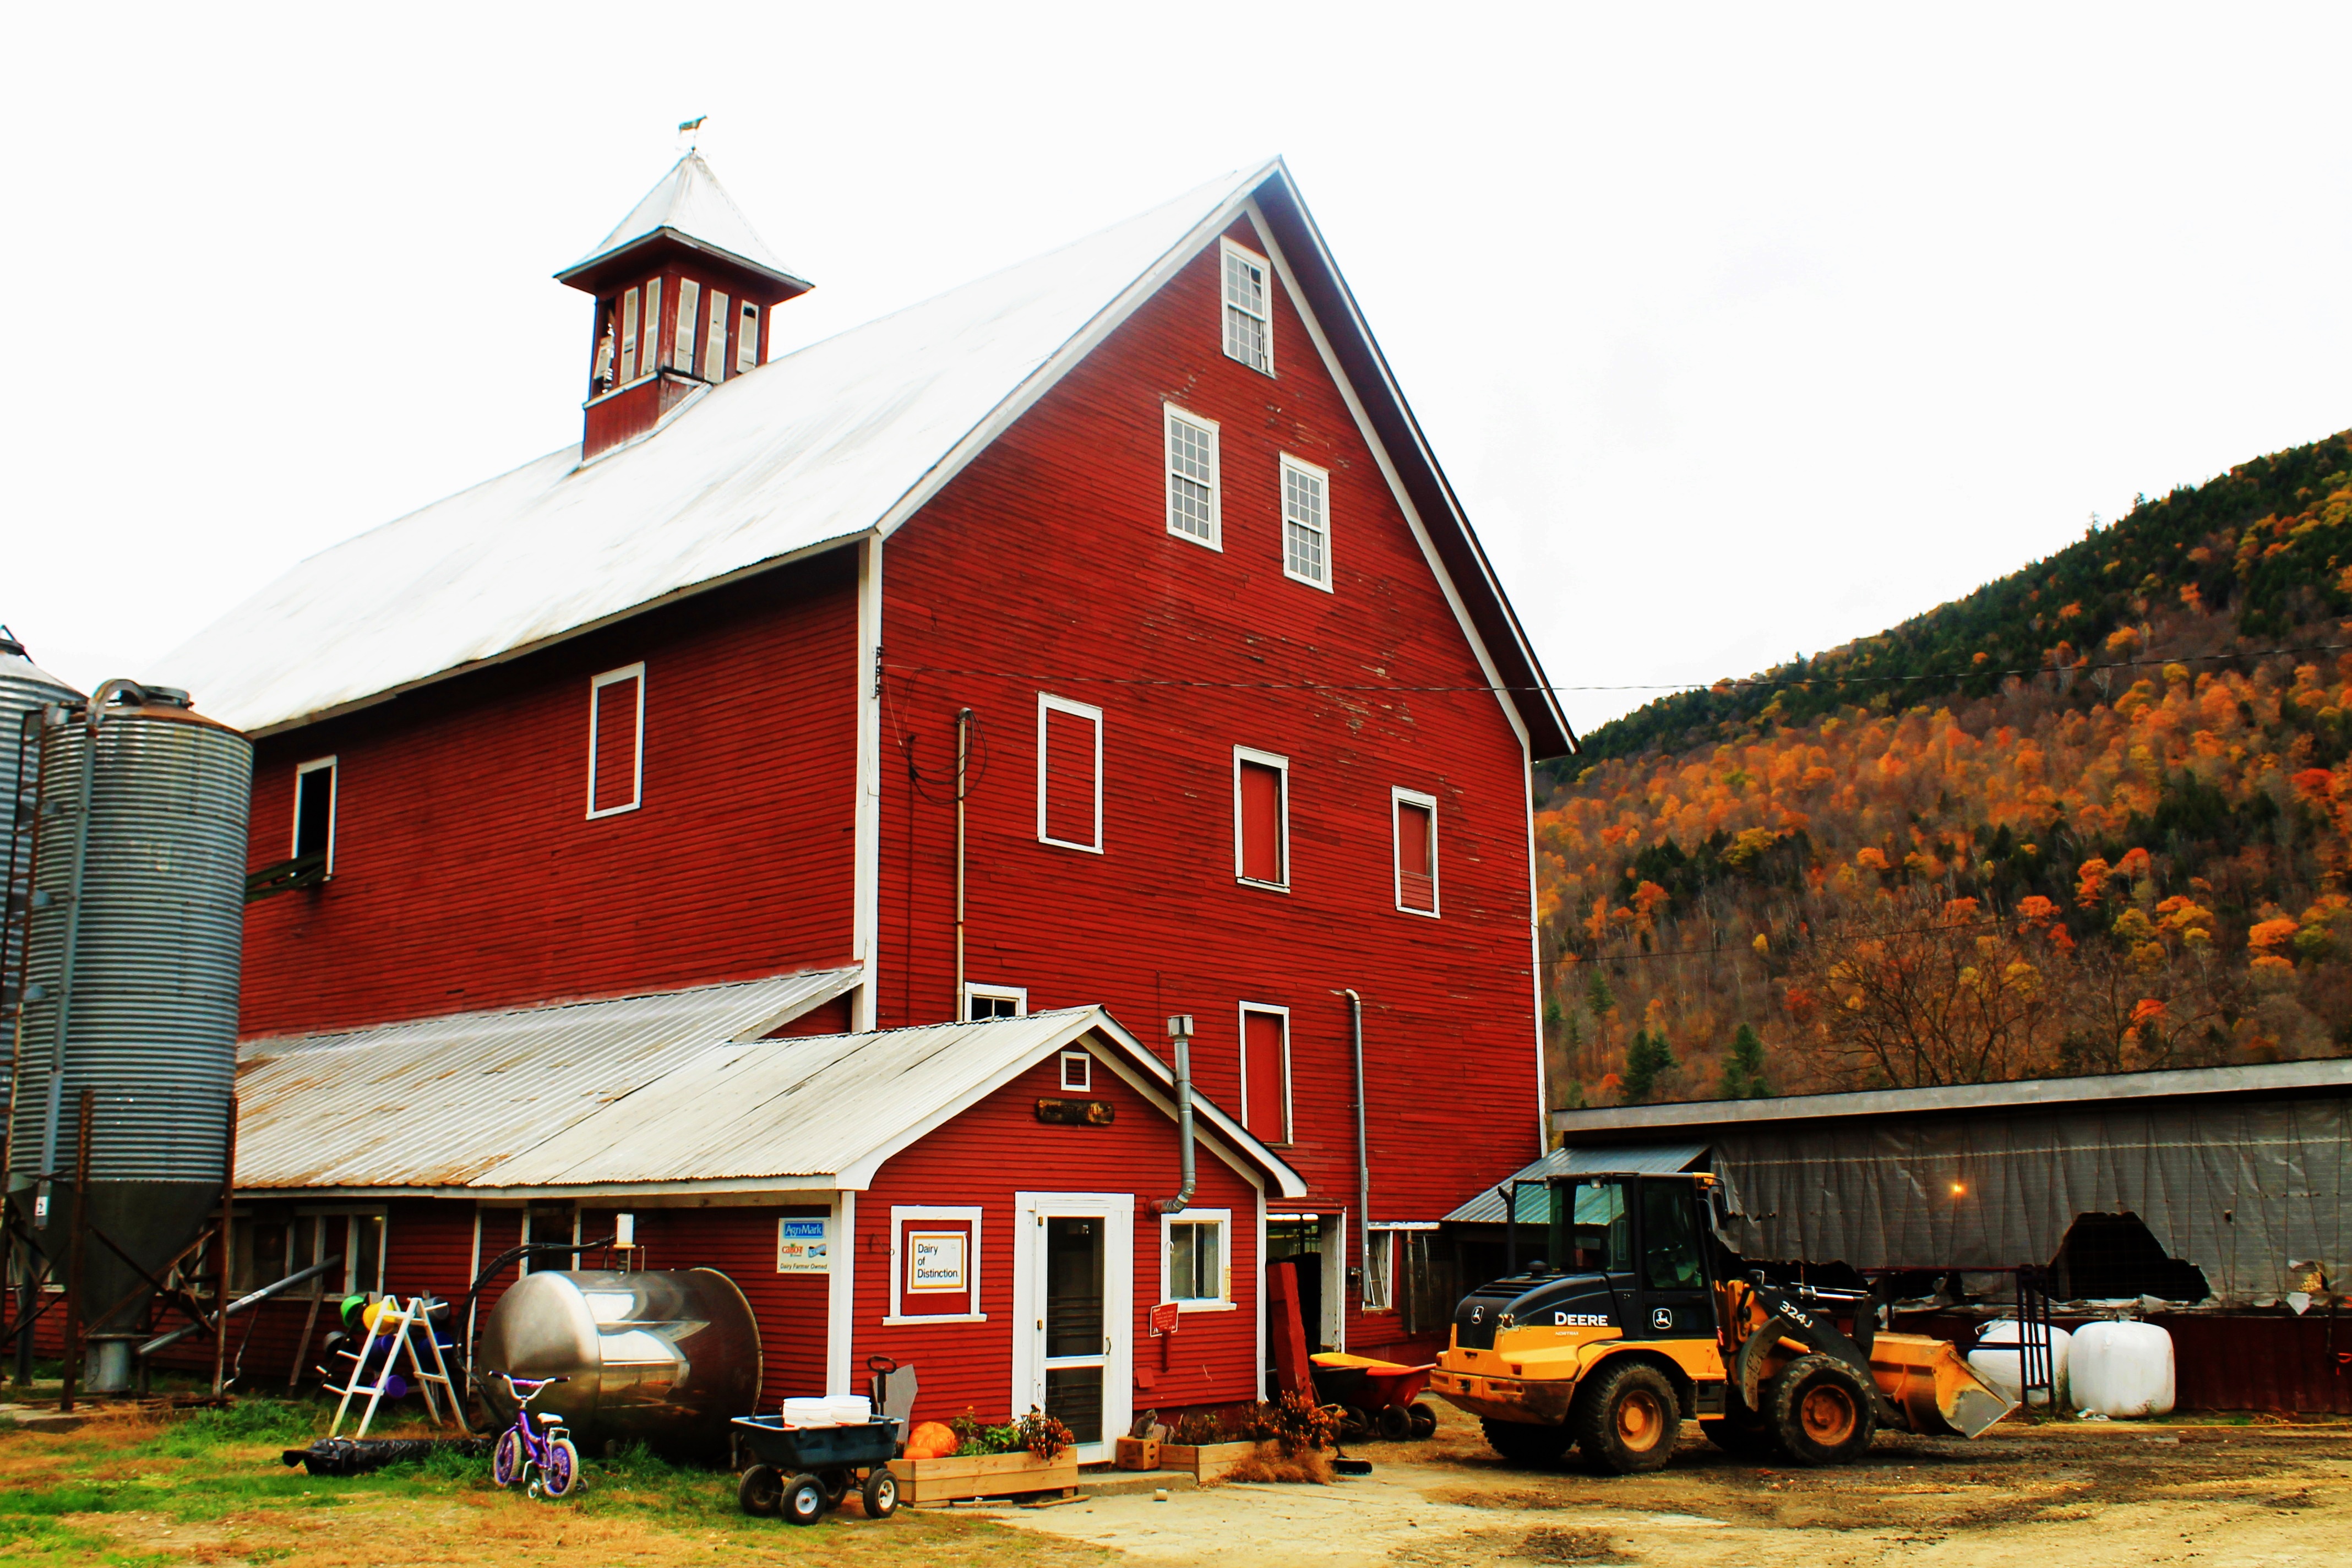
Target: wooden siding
[(468, 876), (968, 1164), (1049, 560)]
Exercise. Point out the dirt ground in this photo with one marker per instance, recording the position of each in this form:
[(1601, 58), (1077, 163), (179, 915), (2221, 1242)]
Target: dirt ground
[(2081, 1493)]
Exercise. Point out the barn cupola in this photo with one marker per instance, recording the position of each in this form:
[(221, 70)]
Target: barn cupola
[(682, 288)]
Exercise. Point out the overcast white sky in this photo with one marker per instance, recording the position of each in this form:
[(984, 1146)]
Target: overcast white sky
[(1742, 330)]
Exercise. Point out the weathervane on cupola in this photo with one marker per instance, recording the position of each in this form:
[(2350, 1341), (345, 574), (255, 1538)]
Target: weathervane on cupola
[(683, 288)]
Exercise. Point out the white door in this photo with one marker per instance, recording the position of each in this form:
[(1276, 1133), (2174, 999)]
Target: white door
[(1073, 1288)]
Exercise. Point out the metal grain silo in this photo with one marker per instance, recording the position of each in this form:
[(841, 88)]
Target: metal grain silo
[(132, 981), (25, 689)]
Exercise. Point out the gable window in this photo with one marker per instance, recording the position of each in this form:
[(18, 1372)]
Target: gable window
[(616, 740), (649, 349), (1249, 337), (1416, 850), (629, 337), (1265, 1072), (746, 339), (314, 811), (1196, 1271), (981, 1001), (1077, 1073), (1261, 818), (714, 342), (682, 348), (1306, 523), (1193, 478), (1069, 773)]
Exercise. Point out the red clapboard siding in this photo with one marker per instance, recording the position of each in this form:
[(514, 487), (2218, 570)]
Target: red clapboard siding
[(1097, 587), (467, 874), (970, 1365)]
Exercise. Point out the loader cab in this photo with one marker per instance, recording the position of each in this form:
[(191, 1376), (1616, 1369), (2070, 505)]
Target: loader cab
[(1634, 1253)]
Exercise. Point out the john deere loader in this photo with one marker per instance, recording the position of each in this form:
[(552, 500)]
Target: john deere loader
[(1648, 1317)]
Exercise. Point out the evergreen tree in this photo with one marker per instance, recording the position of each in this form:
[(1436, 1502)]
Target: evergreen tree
[(1597, 994), (1647, 1060), (1743, 1068)]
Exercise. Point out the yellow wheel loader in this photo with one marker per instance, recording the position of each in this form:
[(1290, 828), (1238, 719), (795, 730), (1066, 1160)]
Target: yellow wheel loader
[(1649, 1318)]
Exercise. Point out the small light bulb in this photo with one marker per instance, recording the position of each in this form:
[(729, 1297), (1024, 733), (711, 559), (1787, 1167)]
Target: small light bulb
[(1958, 1189)]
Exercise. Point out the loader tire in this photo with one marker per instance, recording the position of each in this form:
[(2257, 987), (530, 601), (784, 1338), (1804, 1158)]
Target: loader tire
[(1525, 1443), (1819, 1411), (1626, 1418)]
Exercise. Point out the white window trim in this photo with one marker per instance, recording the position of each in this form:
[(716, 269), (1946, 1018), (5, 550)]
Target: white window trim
[(637, 761), (1399, 797), (1387, 1271), (348, 1212), (747, 337), (1281, 766), (1017, 994), (1227, 247), (1169, 414), (900, 1213), (1047, 703), (1224, 1220), (1085, 1062), (334, 787), (1274, 1009), (1322, 476)]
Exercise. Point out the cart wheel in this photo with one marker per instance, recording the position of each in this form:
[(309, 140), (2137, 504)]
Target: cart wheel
[(1424, 1420), (881, 1492), (1395, 1422), (760, 1491), (1357, 1425), (804, 1500), (836, 1486)]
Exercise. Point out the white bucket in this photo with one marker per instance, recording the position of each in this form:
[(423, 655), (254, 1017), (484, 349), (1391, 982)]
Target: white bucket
[(1999, 1354), (850, 1409), (2123, 1371), (812, 1411)]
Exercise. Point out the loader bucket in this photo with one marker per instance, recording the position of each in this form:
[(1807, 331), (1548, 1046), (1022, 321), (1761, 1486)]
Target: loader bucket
[(1926, 1380)]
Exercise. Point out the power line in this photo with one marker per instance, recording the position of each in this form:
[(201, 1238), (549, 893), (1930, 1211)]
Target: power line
[(1744, 683)]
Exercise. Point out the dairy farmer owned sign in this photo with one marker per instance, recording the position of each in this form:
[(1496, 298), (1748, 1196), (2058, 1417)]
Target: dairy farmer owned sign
[(804, 1246)]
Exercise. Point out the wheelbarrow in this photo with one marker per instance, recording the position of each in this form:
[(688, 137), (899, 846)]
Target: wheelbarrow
[(798, 1472), (1375, 1397)]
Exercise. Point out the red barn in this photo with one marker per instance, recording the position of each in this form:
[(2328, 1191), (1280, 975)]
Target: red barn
[(1100, 640)]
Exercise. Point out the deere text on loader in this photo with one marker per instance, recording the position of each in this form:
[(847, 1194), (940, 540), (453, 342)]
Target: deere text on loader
[(1651, 1319)]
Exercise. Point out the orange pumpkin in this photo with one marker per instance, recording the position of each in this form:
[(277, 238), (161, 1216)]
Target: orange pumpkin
[(931, 1440)]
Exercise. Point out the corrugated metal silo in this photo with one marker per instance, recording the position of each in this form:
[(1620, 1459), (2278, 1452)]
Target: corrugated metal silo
[(25, 689), (131, 978)]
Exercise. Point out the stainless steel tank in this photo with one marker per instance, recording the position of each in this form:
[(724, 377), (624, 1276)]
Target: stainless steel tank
[(666, 1357), (25, 689), (130, 980)]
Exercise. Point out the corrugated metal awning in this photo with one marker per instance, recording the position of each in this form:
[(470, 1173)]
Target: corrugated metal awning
[(1646, 1159)]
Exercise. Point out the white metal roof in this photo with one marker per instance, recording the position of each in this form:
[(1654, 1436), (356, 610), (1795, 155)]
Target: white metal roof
[(435, 1101), (698, 1111), (689, 201), (1649, 1159), (811, 449)]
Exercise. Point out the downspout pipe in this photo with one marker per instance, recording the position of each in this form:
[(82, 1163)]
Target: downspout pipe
[(1363, 1157), (1180, 1029)]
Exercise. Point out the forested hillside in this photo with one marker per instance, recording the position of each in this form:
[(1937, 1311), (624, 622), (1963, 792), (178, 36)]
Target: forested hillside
[(2095, 817)]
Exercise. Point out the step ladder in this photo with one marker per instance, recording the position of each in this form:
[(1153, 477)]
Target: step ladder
[(432, 1381)]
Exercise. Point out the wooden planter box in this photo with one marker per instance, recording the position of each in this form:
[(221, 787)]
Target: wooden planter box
[(1208, 1461), (982, 1475)]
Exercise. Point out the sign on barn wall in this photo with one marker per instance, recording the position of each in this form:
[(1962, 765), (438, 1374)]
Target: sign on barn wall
[(804, 1246)]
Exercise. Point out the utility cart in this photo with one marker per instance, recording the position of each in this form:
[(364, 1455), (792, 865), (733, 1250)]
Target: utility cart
[(798, 1472), (1380, 1397)]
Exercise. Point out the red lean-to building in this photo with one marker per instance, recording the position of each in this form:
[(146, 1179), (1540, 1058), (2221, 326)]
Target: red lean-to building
[(768, 816)]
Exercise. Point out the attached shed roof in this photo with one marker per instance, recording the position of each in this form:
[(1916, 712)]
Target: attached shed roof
[(1648, 1159), (842, 439), (703, 1109)]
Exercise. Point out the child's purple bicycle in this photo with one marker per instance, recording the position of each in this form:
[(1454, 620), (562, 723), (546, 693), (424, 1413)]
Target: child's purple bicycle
[(522, 1450)]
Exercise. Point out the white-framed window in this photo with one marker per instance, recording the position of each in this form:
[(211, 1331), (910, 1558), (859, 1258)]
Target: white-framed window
[(1266, 1071), (681, 347), (358, 1234), (934, 1266), (714, 340), (1192, 511), (995, 1002), (1196, 1260), (628, 337), (1413, 820), (1249, 327), (1306, 523), (746, 339), (1261, 818), (1077, 1073), (1069, 773), (616, 740), (1380, 1270), (649, 346), (314, 810)]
